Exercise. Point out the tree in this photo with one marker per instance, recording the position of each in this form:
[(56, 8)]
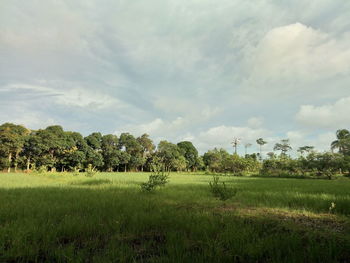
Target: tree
[(74, 154), (327, 164), (235, 143), (343, 142), (131, 146), (110, 151), (261, 143), (271, 155), (93, 158), (53, 142), (305, 149), (180, 163), (94, 140), (168, 153), (212, 159), (190, 153), (12, 138), (283, 146), (94, 154), (246, 146), (31, 150), (147, 147)]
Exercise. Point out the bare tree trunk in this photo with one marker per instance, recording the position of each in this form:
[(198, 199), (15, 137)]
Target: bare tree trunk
[(125, 168), (10, 159), (260, 151), (28, 164), (16, 164)]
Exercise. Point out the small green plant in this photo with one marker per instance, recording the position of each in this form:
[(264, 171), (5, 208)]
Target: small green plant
[(76, 171), (220, 191), (331, 208), (90, 172), (158, 178), (42, 169)]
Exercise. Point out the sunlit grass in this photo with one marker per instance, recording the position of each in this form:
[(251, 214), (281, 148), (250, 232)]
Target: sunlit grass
[(106, 218)]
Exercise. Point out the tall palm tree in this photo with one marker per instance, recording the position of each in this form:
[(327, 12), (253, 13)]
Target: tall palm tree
[(261, 142), (235, 143), (343, 141), (246, 146)]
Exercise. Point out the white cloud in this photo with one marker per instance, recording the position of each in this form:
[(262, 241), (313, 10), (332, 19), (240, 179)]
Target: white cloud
[(177, 69), (157, 128), (30, 119), (255, 122), (321, 141), (75, 97), (293, 58), (222, 136), (333, 116)]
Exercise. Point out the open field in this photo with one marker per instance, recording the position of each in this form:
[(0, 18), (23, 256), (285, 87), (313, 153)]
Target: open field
[(106, 218)]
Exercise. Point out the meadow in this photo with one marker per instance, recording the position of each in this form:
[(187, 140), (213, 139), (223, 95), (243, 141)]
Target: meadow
[(61, 217)]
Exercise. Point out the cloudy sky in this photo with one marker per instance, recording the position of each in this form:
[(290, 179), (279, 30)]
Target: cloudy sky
[(199, 70)]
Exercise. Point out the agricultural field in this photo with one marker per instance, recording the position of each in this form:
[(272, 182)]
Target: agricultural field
[(65, 217)]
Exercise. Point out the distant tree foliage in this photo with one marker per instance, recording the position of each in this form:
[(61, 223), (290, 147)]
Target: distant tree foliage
[(54, 149), (283, 146)]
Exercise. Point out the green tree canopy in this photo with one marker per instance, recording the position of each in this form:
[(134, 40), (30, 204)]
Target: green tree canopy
[(190, 153)]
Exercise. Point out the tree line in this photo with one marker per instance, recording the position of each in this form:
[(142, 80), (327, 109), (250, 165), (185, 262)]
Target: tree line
[(54, 149)]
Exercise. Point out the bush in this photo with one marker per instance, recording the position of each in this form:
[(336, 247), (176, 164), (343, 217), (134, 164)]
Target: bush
[(90, 172), (158, 178), (154, 181), (42, 169), (220, 191)]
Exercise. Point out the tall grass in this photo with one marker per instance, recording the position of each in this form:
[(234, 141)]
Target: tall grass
[(106, 218)]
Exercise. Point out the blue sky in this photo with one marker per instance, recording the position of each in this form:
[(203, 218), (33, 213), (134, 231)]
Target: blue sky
[(198, 70)]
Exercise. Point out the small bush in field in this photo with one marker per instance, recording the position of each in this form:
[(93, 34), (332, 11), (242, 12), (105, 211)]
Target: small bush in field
[(220, 191), (331, 208), (42, 169), (154, 181), (158, 178), (90, 171)]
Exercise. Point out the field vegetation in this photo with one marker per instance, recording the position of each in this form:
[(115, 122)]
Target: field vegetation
[(62, 217), (108, 198)]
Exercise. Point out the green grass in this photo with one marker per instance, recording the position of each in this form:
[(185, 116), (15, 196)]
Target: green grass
[(106, 218)]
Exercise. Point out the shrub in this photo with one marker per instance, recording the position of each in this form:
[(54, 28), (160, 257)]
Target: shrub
[(331, 208), (90, 172), (158, 178), (220, 191), (154, 181), (41, 169)]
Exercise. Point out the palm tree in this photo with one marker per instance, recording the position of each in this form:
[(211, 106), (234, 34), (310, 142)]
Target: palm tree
[(343, 141), (246, 146), (235, 143), (261, 142)]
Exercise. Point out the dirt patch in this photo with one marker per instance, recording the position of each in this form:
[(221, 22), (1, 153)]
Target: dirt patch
[(322, 222), (146, 245), (92, 182)]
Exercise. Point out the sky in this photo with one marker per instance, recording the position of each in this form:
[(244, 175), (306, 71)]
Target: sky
[(199, 70)]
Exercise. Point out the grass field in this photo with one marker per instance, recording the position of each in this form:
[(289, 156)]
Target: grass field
[(106, 218)]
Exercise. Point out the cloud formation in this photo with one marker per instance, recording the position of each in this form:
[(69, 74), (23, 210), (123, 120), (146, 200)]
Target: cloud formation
[(325, 116), (204, 71)]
